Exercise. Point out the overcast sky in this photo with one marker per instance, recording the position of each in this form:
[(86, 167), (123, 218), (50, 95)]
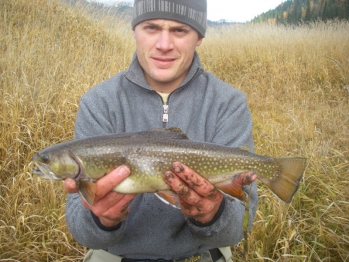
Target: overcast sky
[(233, 10)]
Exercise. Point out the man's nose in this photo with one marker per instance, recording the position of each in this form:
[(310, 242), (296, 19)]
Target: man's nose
[(165, 41)]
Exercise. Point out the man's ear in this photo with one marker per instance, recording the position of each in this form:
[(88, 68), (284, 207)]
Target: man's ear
[(198, 43)]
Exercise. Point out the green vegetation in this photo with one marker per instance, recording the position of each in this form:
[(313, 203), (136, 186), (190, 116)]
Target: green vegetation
[(297, 83), (297, 11)]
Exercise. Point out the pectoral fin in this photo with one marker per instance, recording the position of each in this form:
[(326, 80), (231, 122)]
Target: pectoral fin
[(87, 191)]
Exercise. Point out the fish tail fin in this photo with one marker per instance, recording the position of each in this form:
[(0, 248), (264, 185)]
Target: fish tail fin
[(286, 182)]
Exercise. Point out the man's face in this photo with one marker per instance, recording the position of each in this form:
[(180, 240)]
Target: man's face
[(165, 50)]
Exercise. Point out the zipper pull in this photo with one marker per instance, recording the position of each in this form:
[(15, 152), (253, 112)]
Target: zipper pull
[(165, 114)]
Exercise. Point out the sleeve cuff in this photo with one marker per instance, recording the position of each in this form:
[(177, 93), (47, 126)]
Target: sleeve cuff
[(101, 226)]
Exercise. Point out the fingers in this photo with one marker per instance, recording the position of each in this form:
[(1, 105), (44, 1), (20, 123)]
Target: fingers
[(244, 179), (111, 201), (70, 186), (103, 185), (109, 206), (199, 199), (182, 189), (198, 183), (192, 204), (247, 178), (106, 184), (112, 209)]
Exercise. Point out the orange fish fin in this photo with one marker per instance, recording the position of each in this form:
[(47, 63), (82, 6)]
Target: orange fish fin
[(232, 188), (286, 182), (169, 197), (87, 191)]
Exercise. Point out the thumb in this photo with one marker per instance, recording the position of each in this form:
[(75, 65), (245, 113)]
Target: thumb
[(70, 186)]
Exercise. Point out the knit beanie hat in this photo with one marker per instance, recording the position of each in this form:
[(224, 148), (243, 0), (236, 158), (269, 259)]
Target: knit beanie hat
[(190, 12)]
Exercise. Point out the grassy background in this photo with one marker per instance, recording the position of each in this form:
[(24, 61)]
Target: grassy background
[(297, 83)]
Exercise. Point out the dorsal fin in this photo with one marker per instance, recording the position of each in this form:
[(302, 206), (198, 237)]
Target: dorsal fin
[(165, 133), (245, 148)]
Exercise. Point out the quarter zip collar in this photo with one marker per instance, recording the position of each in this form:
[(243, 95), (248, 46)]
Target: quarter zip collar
[(135, 72)]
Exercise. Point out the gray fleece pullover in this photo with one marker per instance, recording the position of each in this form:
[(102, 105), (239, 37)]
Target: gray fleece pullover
[(207, 110)]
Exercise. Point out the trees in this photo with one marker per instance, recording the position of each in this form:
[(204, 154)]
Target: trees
[(308, 16), (296, 11)]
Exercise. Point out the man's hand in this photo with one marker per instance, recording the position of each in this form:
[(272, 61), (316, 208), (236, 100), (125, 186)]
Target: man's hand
[(199, 199), (109, 206)]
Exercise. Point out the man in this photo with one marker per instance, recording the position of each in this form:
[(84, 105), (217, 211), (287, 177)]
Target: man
[(165, 86)]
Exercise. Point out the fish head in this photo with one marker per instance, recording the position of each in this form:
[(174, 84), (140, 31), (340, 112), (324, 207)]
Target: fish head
[(56, 164)]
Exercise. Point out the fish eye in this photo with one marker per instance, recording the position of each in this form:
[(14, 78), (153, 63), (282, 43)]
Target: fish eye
[(45, 158)]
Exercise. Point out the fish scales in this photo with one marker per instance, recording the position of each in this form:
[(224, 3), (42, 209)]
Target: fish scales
[(150, 153)]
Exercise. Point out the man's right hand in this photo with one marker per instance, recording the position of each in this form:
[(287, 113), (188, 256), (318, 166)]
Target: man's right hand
[(109, 206)]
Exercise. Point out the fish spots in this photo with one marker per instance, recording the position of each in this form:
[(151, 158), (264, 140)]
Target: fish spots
[(275, 177)]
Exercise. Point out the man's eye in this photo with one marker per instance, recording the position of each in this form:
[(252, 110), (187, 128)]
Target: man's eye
[(180, 31), (150, 28)]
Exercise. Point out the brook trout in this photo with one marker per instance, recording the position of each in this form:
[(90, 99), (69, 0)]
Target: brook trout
[(150, 153)]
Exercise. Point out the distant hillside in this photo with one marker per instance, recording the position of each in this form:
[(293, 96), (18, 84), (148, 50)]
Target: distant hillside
[(122, 10), (220, 23), (295, 11), (119, 10)]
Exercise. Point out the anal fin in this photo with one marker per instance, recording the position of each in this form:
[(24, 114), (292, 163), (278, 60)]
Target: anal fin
[(235, 186), (232, 188)]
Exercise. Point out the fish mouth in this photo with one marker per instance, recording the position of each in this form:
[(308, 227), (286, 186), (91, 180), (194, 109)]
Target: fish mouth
[(44, 171)]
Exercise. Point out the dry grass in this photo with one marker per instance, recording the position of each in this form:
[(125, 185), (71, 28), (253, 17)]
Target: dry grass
[(297, 83)]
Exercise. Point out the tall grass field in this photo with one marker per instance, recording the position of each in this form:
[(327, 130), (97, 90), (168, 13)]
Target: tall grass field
[(296, 79)]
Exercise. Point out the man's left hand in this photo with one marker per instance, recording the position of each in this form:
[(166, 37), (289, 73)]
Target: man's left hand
[(199, 199)]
